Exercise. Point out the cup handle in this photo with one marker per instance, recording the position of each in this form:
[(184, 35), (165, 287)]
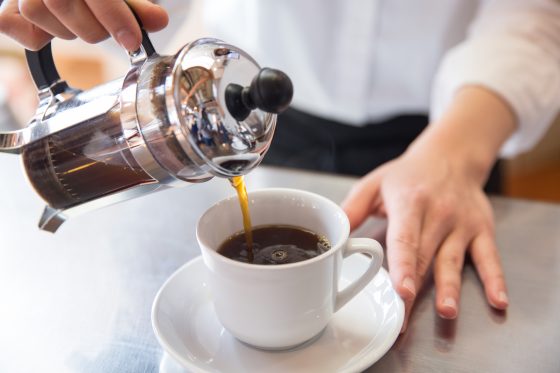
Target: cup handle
[(366, 246)]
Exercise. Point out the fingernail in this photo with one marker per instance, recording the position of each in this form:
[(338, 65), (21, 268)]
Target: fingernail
[(503, 298), (127, 40), (408, 284), (450, 303)]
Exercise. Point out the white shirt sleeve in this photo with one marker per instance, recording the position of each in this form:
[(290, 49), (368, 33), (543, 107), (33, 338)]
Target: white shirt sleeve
[(513, 49)]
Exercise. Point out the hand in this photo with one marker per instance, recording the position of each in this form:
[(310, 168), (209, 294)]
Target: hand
[(433, 199), (33, 23), (436, 212)]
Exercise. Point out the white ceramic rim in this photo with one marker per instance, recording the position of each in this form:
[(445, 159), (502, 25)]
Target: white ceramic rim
[(155, 325)]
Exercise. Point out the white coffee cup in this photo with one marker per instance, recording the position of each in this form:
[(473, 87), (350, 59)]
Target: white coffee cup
[(281, 306)]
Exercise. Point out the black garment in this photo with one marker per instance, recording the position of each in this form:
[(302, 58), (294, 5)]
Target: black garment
[(313, 143)]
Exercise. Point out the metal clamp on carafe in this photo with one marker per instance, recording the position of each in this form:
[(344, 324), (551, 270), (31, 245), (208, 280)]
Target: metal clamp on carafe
[(207, 111)]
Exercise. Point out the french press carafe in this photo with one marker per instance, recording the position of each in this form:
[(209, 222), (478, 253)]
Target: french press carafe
[(207, 111)]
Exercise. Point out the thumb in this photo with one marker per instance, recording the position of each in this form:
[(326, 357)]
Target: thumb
[(363, 199)]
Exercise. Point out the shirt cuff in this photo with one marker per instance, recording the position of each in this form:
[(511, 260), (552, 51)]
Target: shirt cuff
[(525, 75)]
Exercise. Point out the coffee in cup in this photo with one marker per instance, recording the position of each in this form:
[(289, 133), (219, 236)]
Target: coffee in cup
[(275, 244)]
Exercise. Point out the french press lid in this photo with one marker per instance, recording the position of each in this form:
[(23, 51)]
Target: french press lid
[(222, 106)]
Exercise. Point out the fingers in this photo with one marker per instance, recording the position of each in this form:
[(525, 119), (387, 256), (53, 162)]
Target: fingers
[(153, 17), (439, 222), (362, 199), (119, 21), (18, 28), (34, 22), (406, 216), (433, 231), (78, 18), (484, 254), (403, 232), (448, 269), (37, 13)]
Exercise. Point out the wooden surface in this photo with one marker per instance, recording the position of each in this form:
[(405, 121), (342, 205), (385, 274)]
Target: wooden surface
[(541, 183), (536, 174)]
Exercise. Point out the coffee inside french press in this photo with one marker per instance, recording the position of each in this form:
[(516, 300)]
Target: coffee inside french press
[(66, 169)]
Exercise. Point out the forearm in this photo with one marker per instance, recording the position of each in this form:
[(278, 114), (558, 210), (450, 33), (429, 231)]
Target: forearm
[(512, 49), (470, 132)]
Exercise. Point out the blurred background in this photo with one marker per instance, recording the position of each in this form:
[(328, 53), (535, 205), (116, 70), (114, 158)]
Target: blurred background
[(533, 175)]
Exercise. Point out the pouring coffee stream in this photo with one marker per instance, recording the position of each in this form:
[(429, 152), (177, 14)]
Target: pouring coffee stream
[(207, 111), (238, 184)]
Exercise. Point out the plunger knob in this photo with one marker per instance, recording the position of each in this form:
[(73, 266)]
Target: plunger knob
[(271, 91)]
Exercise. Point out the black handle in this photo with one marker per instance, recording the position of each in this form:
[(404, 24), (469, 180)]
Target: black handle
[(271, 91), (146, 42), (43, 69)]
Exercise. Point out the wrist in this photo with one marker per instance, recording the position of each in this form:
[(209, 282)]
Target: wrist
[(470, 133), (472, 161)]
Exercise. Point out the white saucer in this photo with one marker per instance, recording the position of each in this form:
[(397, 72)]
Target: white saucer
[(358, 335)]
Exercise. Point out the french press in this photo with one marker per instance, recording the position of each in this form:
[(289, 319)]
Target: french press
[(207, 111)]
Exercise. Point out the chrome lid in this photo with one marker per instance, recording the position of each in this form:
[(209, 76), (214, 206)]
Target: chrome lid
[(222, 106)]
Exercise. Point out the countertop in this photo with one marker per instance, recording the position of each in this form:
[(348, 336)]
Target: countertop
[(80, 300)]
